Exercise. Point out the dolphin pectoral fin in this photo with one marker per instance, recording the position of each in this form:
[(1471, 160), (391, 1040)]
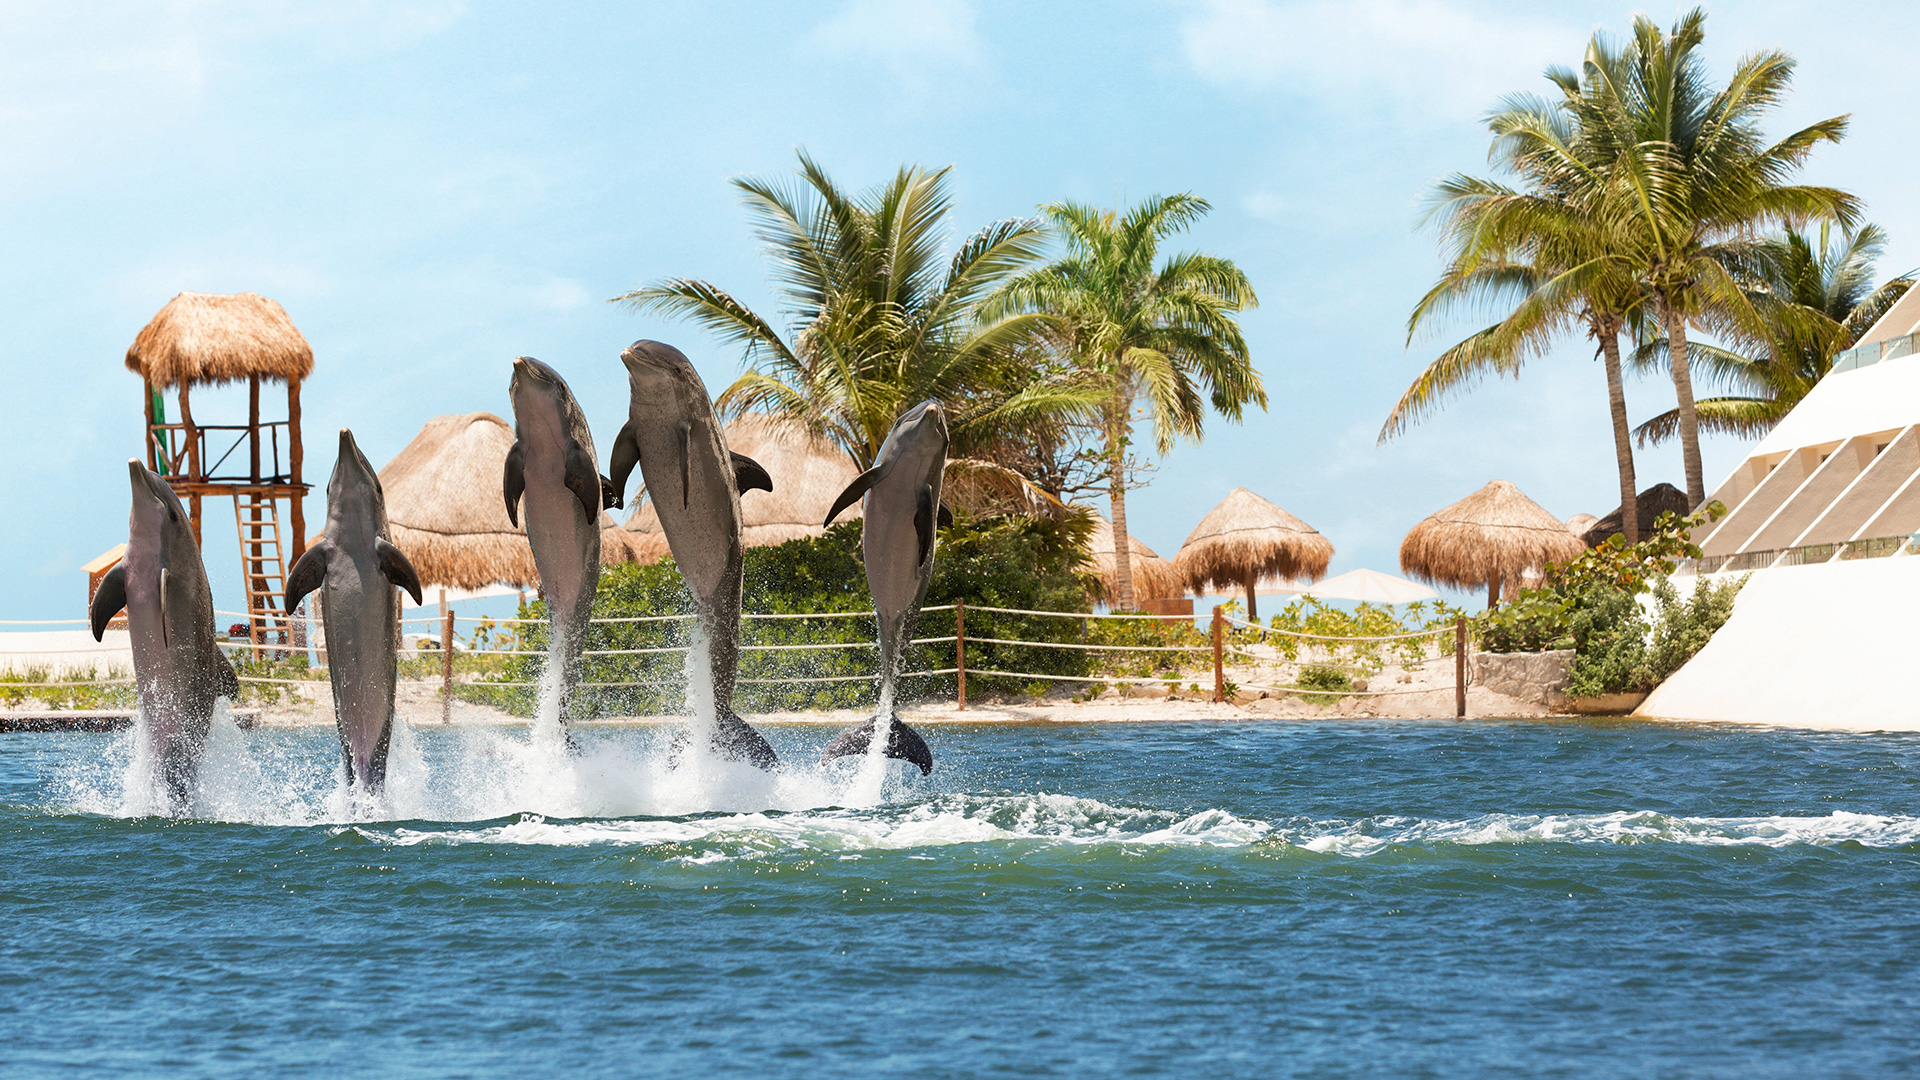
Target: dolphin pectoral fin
[(309, 572), (111, 600), (853, 493), (686, 465), (923, 522), (163, 610), (626, 454), (903, 743), (609, 495), (394, 564), (513, 483), (583, 479), (227, 684), (945, 517), (748, 474)]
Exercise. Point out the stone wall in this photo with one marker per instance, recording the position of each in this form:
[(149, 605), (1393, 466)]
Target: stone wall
[(1539, 677)]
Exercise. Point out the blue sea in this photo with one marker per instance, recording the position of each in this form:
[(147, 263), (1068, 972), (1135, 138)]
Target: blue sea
[(1351, 898)]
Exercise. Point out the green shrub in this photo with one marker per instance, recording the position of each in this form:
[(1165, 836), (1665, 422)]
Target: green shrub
[(1535, 621), (1322, 678)]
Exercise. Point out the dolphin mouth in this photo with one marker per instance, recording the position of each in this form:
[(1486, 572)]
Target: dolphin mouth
[(533, 369), (655, 356)]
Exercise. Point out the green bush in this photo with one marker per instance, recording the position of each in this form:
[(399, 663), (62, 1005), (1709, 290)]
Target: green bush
[(1010, 562), (1322, 678), (1533, 622)]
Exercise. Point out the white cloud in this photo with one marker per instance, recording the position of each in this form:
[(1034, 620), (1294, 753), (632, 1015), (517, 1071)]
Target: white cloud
[(912, 39), (1411, 55)]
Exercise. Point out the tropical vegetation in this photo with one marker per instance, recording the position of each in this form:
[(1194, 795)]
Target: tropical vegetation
[(1644, 190)]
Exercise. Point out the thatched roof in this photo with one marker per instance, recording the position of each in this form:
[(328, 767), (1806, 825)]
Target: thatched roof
[(1494, 534), (1578, 524), (1656, 500), (1153, 576), (808, 474), (444, 504), (213, 338), (1245, 538)]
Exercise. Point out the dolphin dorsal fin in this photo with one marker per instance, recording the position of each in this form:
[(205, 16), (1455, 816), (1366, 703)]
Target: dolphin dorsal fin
[(111, 600), (309, 572), (513, 483), (394, 564), (859, 487), (923, 514), (748, 474)]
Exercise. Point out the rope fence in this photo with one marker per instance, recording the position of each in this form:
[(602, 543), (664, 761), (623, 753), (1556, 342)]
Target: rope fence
[(1218, 647)]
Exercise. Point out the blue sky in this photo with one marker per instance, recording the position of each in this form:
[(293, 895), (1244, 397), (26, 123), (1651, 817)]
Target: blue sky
[(432, 188)]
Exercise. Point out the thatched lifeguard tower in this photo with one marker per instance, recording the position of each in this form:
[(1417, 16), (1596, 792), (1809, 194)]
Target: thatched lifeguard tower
[(204, 339), (1493, 536), (1247, 538), (808, 474), (447, 515)]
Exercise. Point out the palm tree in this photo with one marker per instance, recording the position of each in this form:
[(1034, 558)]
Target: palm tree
[(1692, 181), (1816, 298), (1541, 248), (877, 315), (1145, 330)]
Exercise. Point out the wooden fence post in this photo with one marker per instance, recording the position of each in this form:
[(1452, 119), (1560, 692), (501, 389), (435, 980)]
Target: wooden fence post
[(1219, 672), (960, 647), (446, 666), (1460, 668)]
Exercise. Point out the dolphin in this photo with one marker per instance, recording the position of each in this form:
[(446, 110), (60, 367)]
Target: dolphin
[(551, 469), (356, 568), (179, 669), (695, 483), (897, 540)]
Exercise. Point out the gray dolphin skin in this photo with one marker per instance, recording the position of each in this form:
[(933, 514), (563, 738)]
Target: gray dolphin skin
[(695, 483), (177, 664), (552, 482), (897, 538), (355, 567)]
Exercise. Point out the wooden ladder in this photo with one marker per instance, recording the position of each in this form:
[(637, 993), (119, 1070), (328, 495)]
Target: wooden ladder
[(262, 567)]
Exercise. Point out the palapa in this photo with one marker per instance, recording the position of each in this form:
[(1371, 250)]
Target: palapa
[(1656, 500), (445, 506), (1153, 576), (1247, 538), (808, 474), (1492, 536), (1578, 524), (219, 338)]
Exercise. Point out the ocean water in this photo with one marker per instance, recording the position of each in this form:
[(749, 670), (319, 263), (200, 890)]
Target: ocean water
[(1360, 898)]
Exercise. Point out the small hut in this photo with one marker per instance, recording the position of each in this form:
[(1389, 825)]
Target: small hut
[(1153, 576), (1247, 538), (1491, 537), (808, 474), (1656, 500), (445, 507)]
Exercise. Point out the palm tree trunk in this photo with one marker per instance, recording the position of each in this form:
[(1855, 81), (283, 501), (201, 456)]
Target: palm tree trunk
[(1117, 487), (1683, 390), (1622, 437)]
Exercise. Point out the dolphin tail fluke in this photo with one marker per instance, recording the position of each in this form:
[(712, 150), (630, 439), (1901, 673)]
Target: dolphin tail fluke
[(734, 740), (903, 743)]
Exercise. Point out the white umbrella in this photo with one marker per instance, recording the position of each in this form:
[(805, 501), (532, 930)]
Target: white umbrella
[(1369, 586)]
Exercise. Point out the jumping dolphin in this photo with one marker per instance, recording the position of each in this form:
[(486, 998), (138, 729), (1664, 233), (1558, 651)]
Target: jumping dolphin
[(695, 483), (552, 468), (180, 671), (356, 568), (897, 540)]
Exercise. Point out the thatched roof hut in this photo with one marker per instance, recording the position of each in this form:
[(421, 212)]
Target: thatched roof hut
[(1492, 536), (808, 474), (213, 338), (1656, 500), (444, 504), (1244, 539), (1578, 524), (1153, 576)]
